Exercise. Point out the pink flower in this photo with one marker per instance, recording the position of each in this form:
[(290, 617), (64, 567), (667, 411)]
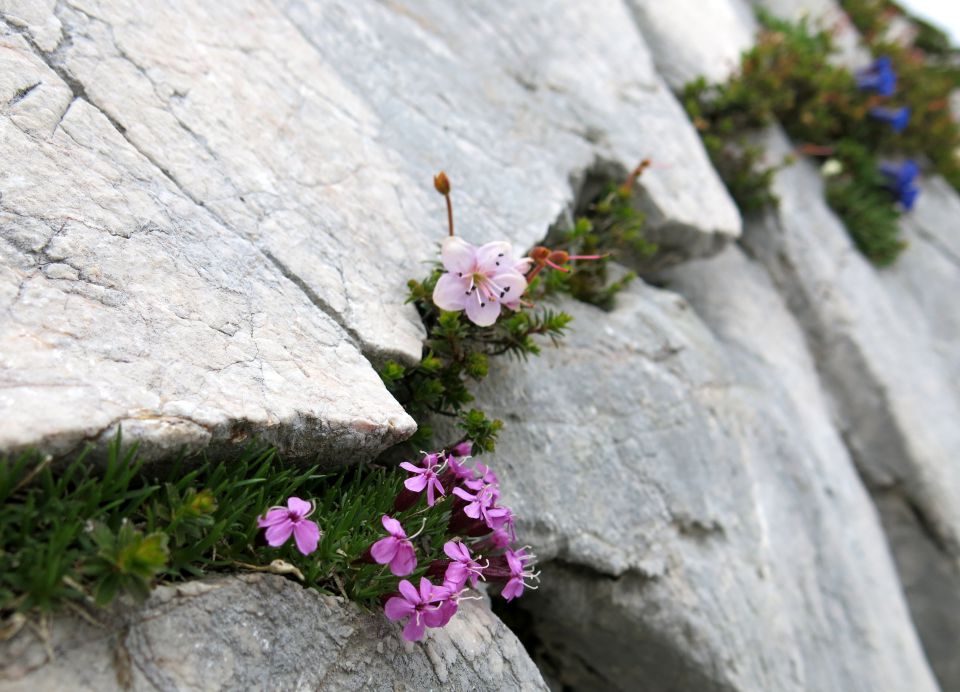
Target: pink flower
[(482, 504), (479, 280), (418, 606), (518, 572), (282, 522), (486, 477), (395, 550), (425, 477), (463, 567)]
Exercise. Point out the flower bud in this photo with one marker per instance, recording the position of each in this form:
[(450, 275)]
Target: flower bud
[(442, 183)]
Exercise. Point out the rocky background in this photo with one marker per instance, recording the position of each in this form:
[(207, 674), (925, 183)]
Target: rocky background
[(745, 477)]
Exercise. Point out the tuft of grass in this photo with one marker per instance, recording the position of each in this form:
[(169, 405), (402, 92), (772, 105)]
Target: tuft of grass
[(78, 534)]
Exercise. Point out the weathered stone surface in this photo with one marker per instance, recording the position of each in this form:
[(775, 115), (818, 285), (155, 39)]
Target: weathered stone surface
[(126, 303), (893, 397), (702, 524), (217, 154), (267, 633), (692, 38)]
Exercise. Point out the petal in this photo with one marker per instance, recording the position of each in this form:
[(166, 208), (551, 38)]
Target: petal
[(513, 589), (300, 507), (482, 311), (409, 591), (273, 516), (431, 497), (384, 550), (397, 608), (427, 591), (472, 510), (413, 632), (393, 527), (435, 482), (451, 292), (464, 495), (306, 534), (440, 616), (452, 549), (458, 255), (512, 285), (405, 561), (412, 468), (493, 258), (416, 484), (455, 576), (278, 534)]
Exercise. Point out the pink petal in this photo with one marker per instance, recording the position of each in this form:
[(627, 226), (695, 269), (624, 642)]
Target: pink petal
[(416, 484), (431, 498), (464, 495), (306, 534), (472, 510), (458, 255), (409, 591), (273, 516), (426, 590), (412, 468), (439, 617), (393, 527), (384, 550), (301, 507), (278, 534), (482, 311), (495, 258), (512, 286), (398, 608), (452, 549), (413, 632), (513, 589), (455, 576), (405, 561), (451, 292)]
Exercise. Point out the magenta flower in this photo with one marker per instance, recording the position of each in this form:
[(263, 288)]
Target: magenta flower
[(479, 280), (282, 522), (425, 477), (518, 572), (418, 606), (395, 550), (498, 540), (481, 504), (462, 566), (486, 477), (462, 450)]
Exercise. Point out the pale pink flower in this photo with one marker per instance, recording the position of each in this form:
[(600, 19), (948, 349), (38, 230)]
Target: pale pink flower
[(395, 550), (479, 280), (463, 567), (282, 522), (516, 561)]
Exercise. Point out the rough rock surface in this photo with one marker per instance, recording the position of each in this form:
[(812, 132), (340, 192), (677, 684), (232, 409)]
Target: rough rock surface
[(701, 522), (264, 632), (217, 204), (895, 403)]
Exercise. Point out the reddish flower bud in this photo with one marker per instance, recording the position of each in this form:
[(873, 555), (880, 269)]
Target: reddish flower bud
[(442, 183)]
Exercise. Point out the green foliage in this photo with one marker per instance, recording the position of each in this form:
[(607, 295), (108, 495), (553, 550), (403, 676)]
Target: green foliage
[(789, 78), (78, 534)]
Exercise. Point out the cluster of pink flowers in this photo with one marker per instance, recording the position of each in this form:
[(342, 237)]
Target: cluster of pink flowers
[(477, 524)]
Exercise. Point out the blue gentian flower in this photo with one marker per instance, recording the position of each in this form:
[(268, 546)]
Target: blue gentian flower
[(879, 77), (902, 181), (898, 118)]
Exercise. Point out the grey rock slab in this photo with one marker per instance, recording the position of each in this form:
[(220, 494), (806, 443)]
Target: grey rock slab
[(314, 129), (263, 632), (892, 389), (926, 277), (125, 303), (685, 486), (692, 38)]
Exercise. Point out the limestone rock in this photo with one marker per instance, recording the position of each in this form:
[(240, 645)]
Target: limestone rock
[(686, 489), (128, 304), (215, 205), (893, 396), (264, 632), (691, 38)]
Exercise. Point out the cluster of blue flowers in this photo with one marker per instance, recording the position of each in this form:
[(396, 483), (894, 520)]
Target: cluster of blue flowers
[(881, 79)]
